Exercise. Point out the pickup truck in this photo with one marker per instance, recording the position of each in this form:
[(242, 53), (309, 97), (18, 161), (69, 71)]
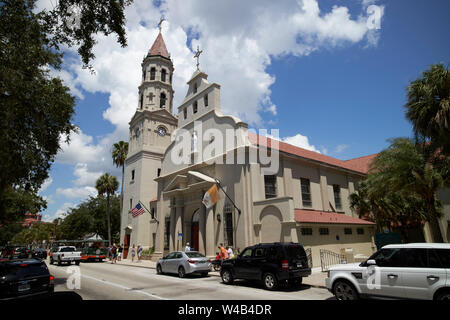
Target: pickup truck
[(65, 254)]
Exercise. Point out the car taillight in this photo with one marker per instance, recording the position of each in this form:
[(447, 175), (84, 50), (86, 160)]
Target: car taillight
[(51, 278), (284, 265), (192, 261), (62, 255), (23, 265)]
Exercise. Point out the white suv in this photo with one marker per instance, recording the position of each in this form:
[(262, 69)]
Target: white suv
[(405, 271)]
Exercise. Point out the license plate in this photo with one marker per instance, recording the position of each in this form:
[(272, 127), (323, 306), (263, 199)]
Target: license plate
[(23, 287), (299, 265)]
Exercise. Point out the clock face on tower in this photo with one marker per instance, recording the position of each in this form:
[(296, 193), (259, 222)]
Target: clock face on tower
[(162, 131)]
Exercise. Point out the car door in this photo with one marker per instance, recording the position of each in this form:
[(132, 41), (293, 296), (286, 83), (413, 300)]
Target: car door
[(177, 261), (423, 274), (388, 276), (242, 264), (166, 262), (258, 260)]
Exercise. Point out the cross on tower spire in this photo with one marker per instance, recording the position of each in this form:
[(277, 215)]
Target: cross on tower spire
[(197, 55), (160, 23)]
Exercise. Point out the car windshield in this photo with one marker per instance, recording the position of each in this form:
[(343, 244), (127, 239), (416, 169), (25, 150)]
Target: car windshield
[(68, 249), (296, 252), (194, 255), (24, 270)]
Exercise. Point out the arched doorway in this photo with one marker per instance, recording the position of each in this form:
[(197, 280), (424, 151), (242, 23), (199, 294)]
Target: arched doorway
[(195, 229)]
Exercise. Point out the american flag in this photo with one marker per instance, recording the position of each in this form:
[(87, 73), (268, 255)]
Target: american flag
[(137, 210)]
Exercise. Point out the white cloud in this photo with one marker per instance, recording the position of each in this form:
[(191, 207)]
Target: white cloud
[(62, 210), (46, 184), (80, 193), (85, 178), (300, 141), (341, 147)]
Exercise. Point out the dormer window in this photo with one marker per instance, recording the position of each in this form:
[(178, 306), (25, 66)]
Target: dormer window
[(162, 100), (185, 113), (195, 106), (152, 73), (163, 75), (195, 87), (205, 100)]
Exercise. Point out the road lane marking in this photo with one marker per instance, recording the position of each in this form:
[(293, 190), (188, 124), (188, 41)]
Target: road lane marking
[(124, 287)]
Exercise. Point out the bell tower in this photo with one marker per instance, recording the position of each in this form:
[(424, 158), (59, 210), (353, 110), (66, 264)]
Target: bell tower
[(150, 134)]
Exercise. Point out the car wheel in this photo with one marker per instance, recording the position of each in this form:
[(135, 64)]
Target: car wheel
[(159, 269), (59, 262), (204, 274), (227, 277), (270, 281), (51, 260), (343, 290), (181, 272), (443, 295), (77, 263), (69, 262)]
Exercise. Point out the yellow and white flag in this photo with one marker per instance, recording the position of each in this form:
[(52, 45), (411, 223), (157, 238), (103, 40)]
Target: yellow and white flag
[(211, 197)]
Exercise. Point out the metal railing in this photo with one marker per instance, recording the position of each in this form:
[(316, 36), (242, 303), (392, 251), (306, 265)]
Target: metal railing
[(330, 258)]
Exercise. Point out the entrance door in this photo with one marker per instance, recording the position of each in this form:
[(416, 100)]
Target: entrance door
[(195, 229), (126, 245)]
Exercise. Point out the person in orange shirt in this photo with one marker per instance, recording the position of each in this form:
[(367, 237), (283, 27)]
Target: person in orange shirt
[(223, 252)]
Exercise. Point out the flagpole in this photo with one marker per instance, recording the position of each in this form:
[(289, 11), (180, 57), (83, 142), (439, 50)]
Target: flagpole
[(232, 202), (147, 210)]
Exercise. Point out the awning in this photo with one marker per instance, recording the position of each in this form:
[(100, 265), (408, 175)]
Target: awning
[(313, 216)]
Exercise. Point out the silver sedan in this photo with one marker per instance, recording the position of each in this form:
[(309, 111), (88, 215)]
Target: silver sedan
[(183, 263)]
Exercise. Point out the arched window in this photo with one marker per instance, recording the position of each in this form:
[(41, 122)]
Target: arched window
[(152, 73), (195, 87), (195, 106), (163, 75), (205, 100), (162, 100), (142, 101)]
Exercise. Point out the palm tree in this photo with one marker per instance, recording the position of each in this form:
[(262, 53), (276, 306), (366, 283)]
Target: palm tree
[(404, 167), (119, 154), (107, 184), (428, 107)]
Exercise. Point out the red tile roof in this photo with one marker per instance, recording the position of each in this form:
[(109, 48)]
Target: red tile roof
[(312, 216), (159, 47), (360, 164)]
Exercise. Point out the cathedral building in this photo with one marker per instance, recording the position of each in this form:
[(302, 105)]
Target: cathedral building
[(304, 200)]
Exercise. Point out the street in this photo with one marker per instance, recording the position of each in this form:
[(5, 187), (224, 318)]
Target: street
[(105, 281)]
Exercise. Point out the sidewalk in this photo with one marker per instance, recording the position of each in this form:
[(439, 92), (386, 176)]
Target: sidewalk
[(316, 279)]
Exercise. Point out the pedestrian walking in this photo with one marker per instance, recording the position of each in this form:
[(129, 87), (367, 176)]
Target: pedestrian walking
[(120, 249), (133, 253), (113, 253), (230, 252), (187, 248), (223, 252), (139, 252)]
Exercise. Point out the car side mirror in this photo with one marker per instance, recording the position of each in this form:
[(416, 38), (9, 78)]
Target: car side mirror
[(371, 262)]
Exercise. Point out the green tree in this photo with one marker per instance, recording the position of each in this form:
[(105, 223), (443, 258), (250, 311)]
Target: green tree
[(119, 154), (36, 108), (108, 185), (403, 167), (428, 108)]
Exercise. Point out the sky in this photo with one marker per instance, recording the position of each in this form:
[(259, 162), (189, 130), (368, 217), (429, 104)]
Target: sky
[(330, 75)]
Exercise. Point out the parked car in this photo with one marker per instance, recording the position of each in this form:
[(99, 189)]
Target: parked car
[(270, 263), (21, 278), (21, 253), (401, 271), (39, 253), (183, 263), (66, 254)]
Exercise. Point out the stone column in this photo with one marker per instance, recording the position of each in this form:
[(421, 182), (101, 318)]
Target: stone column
[(202, 230), (178, 227), (173, 236), (210, 244)]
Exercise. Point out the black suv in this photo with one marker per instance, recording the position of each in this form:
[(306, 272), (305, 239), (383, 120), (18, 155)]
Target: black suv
[(23, 278), (269, 262)]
